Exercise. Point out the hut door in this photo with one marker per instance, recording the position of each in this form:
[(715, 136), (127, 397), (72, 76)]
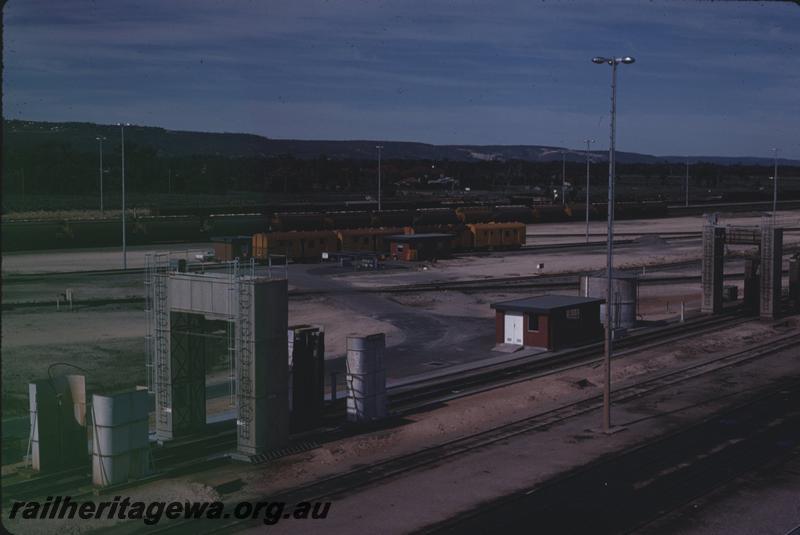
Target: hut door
[(513, 329)]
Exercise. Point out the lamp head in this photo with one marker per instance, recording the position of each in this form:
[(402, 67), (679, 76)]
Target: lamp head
[(599, 60), (628, 60)]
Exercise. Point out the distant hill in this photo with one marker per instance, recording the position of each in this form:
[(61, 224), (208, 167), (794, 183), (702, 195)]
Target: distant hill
[(82, 137)]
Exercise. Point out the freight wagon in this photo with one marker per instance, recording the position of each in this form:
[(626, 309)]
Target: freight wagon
[(366, 239), (300, 246), (493, 236)]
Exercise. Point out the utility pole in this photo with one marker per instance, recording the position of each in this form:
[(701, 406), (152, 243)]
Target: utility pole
[(100, 139), (124, 236), (379, 147), (687, 183), (563, 177), (775, 186), (588, 142), (610, 252)]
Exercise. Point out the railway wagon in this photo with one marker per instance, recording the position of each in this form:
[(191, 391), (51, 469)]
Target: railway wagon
[(474, 214), (155, 229), (392, 218), (27, 235), (367, 239), (512, 213), (435, 216), (346, 220), (297, 245), (549, 212), (235, 224), (490, 236), (286, 221)]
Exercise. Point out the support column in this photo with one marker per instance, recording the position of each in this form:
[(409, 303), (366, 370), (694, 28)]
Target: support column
[(262, 368), (712, 269), (771, 271)]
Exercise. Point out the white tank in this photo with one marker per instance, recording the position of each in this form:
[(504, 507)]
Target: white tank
[(366, 378), (625, 291), (120, 445)]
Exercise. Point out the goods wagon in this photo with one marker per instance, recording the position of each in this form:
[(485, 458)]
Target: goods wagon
[(392, 218), (549, 212), (298, 245), (89, 233), (512, 213), (474, 214), (366, 239), (342, 220), (286, 221), (488, 236), (235, 224), (167, 229), (435, 216), (27, 235)]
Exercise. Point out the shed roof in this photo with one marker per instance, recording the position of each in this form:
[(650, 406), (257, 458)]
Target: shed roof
[(545, 303)]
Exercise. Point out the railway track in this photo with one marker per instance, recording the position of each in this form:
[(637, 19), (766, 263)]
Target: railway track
[(360, 478)]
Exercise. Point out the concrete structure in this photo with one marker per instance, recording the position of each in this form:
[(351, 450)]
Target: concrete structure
[(306, 375), (770, 241), (752, 281), (625, 286), (548, 321), (256, 312), (420, 247), (366, 378), (57, 409), (794, 281), (120, 444)]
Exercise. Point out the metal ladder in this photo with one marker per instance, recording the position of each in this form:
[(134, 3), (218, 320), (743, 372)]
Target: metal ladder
[(244, 332)]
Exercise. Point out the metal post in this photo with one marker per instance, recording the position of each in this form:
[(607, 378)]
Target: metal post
[(333, 387), (100, 139), (379, 147), (588, 142), (687, 184), (610, 258), (124, 236), (563, 177), (775, 186)]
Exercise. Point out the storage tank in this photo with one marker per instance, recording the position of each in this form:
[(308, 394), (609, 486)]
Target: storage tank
[(625, 290), (120, 445), (366, 378)]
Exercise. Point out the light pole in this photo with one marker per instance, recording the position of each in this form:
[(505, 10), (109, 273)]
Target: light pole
[(124, 241), (774, 185), (588, 142), (687, 184), (379, 147), (610, 253), (100, 139), (563, 177)]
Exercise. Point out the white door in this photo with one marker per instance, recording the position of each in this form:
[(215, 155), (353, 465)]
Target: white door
[(513, 329)]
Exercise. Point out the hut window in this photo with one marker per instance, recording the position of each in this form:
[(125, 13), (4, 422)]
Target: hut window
[(533, 322), (573, 313)]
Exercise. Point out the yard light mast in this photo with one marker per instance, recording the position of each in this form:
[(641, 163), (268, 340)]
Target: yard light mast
[(124, 236), (588, 143), (100, 140), (613, 62), (379, 147), (774, 184)]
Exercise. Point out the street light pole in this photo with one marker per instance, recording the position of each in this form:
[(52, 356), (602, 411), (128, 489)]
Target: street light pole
[(588, 142), (610, 248), (563, 177), (687, 183), (124, 236), (100, 139), (379, 147), (775, 185)]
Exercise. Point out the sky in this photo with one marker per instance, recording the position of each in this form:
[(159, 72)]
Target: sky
[(710, 78)]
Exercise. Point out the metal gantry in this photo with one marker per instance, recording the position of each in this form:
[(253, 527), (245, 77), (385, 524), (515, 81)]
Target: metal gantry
[(157, 334), (244, 384)]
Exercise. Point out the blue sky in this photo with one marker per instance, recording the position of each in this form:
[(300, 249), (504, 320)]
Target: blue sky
[(711, 78)]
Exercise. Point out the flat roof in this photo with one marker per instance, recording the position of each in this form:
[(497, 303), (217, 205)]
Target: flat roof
[(545, 303), (419, 237)]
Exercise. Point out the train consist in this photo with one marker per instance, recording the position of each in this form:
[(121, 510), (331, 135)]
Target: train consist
[(42, 234)]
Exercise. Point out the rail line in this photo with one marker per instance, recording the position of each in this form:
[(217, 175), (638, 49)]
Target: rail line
[(366, 476)]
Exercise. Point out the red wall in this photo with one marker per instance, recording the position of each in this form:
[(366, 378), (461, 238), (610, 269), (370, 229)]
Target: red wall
[(499, 326), (540, 338)]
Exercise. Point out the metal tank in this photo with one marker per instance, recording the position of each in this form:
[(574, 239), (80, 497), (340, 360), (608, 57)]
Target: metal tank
[(120, 445), (366, 378), (625, 288)]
